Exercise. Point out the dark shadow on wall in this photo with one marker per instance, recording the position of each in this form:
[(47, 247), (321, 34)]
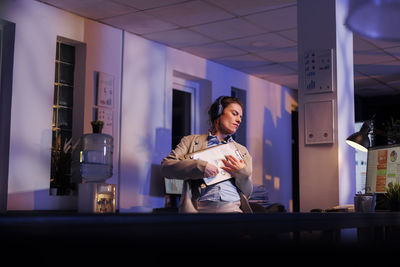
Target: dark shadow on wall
[(154, 184), (277, 156), (161, 149)]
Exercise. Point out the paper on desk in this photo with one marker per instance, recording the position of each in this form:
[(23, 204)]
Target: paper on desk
[(215, 155)]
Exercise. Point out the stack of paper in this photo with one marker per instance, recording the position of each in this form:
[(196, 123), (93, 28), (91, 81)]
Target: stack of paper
[(259, 195)]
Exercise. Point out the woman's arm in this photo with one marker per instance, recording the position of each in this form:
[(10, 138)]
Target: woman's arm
[(177, 167), (243, 176)]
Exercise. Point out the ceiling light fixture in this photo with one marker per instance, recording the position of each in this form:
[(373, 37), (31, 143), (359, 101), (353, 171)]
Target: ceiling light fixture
[(377, 19)]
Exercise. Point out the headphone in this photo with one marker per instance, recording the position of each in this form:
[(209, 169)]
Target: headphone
[(220, 107)]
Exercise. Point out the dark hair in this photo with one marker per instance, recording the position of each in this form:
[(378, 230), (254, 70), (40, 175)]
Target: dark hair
[(217, 108)]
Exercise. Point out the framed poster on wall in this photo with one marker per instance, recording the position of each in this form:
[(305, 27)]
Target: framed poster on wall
[(104, 100), (105, 90)]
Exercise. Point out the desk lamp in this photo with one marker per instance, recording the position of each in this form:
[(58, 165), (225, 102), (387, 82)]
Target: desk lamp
[(360, 139)]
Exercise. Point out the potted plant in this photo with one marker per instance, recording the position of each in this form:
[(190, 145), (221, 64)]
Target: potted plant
[(60, 183), (392, 196), (97, 126)]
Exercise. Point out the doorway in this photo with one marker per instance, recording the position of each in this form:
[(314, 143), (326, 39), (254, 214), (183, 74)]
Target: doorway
[(183, 110)]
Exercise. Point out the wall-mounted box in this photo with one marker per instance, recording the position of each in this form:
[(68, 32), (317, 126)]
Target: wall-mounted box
[(318, 71), (318, 117)]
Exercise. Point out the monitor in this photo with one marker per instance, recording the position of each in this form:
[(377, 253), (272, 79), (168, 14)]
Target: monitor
[(383, 168)]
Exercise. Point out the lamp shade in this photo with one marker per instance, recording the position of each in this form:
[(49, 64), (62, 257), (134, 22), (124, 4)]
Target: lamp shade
[(360, 140), (377, 19)]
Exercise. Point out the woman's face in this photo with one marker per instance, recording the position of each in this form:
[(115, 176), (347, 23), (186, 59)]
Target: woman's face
[(230, 119)]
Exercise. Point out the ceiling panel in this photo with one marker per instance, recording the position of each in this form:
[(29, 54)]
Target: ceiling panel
[(289, 34), (139, 23), (189, 13), (381, 69), (395, 84), (372, 57), (245, 7), (214, 50), (377, 90), (360, 44), (275, 20), (93, 9), (394, 51), (262, 42), (228, 29), (281, 55), (383, 44), (148, 4), (242, 61), (179, 38), (288, 80), (269, 70)]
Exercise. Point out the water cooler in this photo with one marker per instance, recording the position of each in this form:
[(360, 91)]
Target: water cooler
[(96, 166)]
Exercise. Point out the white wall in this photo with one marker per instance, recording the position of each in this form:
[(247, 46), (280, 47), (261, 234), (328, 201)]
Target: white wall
[(37, 29), (145, 75), (103, 54), (32, 98), (147, 116)]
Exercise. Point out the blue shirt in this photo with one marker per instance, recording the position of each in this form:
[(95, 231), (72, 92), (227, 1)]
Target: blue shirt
[(226, 190)]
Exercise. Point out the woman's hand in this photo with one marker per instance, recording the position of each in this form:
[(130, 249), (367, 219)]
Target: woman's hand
[(232, 164), (211, 170)]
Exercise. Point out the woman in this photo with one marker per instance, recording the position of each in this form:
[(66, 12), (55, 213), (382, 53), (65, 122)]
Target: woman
[(228, 196)]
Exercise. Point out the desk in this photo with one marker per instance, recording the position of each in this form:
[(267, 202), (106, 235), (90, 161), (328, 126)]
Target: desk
[(144, 230)]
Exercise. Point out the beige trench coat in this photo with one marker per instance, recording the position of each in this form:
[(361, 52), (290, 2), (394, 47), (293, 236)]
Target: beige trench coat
[(192, 171)]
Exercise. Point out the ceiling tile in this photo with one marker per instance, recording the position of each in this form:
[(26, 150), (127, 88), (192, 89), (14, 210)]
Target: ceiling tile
[(147, 4), (376, 90), (291, 65), (289, 34), (372, 57), (386, 68), (242, 61), (280, 55), (93, 9), (372, 86), (214, 50), (276, 20), (190, 13), (178, 38), (243, 7), (382, 43), (228, 29), (139, 23), (269, 70), (395, 85), (387, 78), (289, 81), (394, 51), (262, 42), (360, 44), (362, 81)]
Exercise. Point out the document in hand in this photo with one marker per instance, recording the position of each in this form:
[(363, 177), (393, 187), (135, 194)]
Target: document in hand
[(215, 155)]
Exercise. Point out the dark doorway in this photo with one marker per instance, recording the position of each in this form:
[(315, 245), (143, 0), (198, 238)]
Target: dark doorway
[(181, 115)]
